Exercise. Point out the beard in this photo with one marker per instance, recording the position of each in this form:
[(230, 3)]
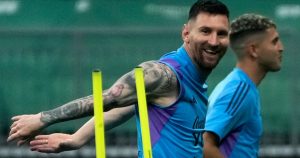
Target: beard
[(209, 61)]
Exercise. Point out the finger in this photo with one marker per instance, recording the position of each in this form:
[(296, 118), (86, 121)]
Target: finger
[(13, 124), (40, 147), (16, 118), (10, 138), (37, 142), (13, 130), (13, 136), (47, 150), (35, 145), (41, 137)]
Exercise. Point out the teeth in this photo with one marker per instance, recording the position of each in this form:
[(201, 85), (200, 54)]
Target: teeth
[(209, 51)]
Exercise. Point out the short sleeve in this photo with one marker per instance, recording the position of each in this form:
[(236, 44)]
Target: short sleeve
[(228, 108)]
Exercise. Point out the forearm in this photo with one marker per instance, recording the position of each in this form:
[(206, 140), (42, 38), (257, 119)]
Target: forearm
[(112, 119), (118, 116), (86, 132), (75, 109)]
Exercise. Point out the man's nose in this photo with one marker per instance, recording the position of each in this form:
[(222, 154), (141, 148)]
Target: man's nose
[(213, 39)]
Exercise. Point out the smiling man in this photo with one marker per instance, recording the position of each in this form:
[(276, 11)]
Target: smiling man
[(175, 87)]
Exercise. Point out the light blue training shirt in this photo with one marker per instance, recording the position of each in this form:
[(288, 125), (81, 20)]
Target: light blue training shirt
[(234, 115), (175, 130)]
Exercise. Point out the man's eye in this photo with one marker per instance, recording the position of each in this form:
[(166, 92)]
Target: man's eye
[(205, 31), (223, 34), (275, 41)]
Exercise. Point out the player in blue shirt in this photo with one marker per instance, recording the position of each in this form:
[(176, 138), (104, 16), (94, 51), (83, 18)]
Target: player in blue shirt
[(175, 89), (233, 123), (175, 129)]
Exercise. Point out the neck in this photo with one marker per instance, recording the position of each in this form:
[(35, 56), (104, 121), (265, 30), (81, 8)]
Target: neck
[(255, 73)]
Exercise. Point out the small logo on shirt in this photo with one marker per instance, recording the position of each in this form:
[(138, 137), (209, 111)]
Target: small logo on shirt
[(197, 125)]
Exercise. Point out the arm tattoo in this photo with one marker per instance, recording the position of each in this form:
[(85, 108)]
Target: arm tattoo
[(72, 110), (122, 93), (130, 79), (159, 78), (168, 77)]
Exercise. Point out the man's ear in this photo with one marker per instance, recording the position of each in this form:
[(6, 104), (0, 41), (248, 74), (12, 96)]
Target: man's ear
[(185, 33), (252, 49)]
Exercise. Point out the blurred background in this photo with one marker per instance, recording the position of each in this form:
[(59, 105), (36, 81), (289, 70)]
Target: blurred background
[(49, 48)]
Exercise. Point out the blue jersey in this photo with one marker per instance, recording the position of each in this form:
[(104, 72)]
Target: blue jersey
[(175, 130), (234, 115)]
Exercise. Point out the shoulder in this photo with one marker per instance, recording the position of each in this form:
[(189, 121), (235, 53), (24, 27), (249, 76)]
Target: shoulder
[(160, 80), (156, 69), (153, 64), (230, 93), (225, 88), (239, 97)]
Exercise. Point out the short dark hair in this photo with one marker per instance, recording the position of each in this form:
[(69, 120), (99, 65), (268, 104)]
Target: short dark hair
[(249, 24), (208, 6)]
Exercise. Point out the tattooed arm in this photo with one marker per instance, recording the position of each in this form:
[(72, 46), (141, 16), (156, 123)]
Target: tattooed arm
[(24, 127), (58, 142), (160, 83), (161, 89), (75, 109)]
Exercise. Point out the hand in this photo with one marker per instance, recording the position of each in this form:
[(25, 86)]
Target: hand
[(54, 143), (24, 128)]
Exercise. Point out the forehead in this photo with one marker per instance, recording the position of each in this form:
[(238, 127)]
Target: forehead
[(214, 21), (272, 32)]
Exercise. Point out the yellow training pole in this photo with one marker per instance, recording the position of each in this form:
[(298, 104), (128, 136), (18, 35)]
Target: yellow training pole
[(142, 105), (98, 114)]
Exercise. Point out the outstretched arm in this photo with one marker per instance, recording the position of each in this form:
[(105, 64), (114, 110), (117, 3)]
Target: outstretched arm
[(24, 127), (58, 142), (161, 88)]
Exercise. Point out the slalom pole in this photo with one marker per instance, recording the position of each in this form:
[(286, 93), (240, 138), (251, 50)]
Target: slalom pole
[(143, 112), (98, 114)]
